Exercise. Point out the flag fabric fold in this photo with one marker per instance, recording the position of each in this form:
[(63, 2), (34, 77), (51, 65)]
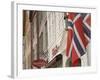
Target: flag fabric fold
[(79, 35)]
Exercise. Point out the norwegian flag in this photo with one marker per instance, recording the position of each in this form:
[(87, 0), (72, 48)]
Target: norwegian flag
[(79, 35)]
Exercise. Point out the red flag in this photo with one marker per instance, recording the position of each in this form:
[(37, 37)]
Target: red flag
[(79, 35)]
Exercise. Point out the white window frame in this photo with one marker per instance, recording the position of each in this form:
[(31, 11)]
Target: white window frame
[(17, 69)]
